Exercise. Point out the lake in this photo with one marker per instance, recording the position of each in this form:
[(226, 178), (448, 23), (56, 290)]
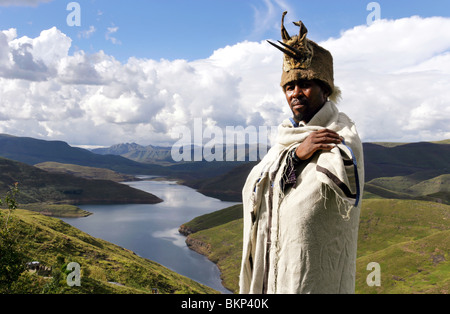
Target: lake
[(151, 231)]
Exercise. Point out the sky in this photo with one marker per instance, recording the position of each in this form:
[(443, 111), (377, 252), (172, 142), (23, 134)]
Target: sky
[(103, 72)]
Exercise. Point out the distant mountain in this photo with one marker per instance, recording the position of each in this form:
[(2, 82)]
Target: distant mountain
[(420, 164), (39, 186), (139, 153), (428, 159), (411, 167), (163, 155), (33, 151)]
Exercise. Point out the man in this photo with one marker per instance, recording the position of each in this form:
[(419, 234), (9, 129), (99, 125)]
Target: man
[(302, 201)]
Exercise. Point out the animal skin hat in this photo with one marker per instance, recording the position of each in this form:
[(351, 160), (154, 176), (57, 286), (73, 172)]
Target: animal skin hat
[(304, 59)]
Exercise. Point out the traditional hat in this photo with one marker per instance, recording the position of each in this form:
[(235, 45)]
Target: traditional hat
[(304, 59)]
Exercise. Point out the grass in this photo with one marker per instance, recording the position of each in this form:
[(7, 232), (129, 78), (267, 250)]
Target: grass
[(61, 211), (408, 238), (50, 241), (214, 219), (37, 186), (225, 242), (416, 186), (85, 172)]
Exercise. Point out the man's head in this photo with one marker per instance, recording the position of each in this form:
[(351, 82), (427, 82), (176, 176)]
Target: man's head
[(306, 61), (305, 98)]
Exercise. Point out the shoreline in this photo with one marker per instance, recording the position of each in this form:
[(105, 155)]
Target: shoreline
[(201, 248)]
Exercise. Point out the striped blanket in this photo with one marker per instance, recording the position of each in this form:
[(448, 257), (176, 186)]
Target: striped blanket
[(301, 237)]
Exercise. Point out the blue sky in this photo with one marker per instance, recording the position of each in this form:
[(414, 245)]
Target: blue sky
[(193, 29), (139, 72)]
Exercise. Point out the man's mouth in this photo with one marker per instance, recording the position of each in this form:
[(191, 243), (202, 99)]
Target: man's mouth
[(296, 104)]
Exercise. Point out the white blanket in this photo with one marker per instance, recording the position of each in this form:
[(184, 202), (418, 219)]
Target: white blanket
[(303, 239)]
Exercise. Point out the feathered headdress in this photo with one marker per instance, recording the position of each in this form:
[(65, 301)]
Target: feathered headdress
[(304, 59)]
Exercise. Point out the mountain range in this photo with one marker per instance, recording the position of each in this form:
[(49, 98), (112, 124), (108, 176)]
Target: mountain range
[(40, 186), (406, 171), (163, 155), (392, 170), (145, 154)]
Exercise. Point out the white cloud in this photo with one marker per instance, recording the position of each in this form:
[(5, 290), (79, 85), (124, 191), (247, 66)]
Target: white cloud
[(112, 30), (394, 76), (267, 17), (87, 33), (32, 59)]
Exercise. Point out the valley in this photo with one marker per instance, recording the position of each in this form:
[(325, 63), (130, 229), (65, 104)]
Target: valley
[(404, 221)]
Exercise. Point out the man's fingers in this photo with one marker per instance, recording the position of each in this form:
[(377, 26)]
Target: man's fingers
[(320, 140), (327, 138)]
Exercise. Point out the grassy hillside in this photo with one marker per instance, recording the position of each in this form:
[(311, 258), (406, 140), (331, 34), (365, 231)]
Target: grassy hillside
[(37, 186), (408, 238), (85, 172), (212, 220), (227, 186), (414, 186), (105, 267), (56, 210)]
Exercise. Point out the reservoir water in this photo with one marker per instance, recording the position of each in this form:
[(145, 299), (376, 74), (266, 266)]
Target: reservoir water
[(151, 231)]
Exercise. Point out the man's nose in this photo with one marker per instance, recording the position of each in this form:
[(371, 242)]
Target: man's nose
[(298, 91)]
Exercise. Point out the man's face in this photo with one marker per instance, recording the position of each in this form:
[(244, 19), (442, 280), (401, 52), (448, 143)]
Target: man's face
[(306, 98)]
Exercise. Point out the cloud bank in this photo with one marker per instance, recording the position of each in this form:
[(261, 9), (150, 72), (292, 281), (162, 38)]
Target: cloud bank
[(394, 75)]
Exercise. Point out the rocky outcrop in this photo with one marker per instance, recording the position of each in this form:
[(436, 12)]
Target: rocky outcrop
[(184, 230), (198, 246)]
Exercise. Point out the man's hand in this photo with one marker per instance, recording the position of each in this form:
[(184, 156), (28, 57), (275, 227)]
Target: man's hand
[(319, 140)]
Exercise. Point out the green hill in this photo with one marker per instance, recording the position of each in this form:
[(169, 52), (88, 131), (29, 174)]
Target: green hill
[(85, 172), (227, 186), (212, 220), (408, 238), (436, 189), (39, 186), (425, 158), (105, 268)]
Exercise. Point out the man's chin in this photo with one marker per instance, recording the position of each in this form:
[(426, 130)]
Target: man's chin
[(298, 117)]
